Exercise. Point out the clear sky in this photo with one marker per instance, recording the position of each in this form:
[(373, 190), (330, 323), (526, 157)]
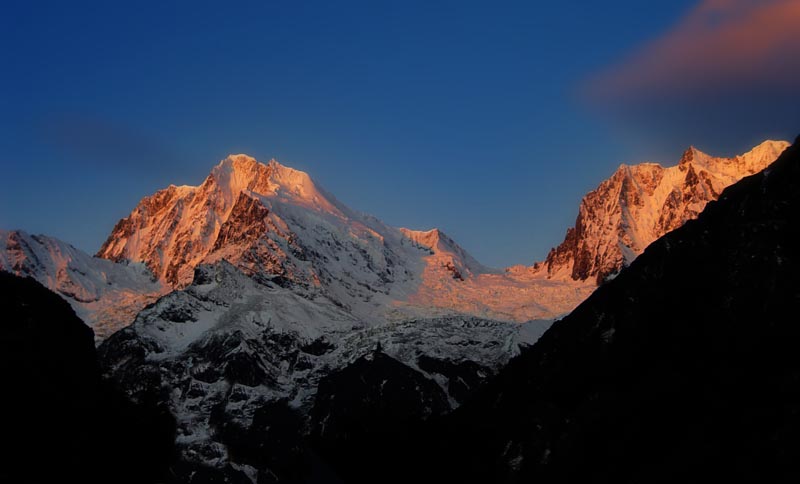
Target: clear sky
[(488, 119)]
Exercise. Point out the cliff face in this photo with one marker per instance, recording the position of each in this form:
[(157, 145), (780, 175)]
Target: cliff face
[(176, 228), (640, 203)]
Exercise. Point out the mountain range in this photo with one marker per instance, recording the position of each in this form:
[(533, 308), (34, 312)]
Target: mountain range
[(258, 309), (275, 223)]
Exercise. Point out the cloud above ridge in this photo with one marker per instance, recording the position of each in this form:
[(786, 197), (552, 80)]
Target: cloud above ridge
[(725, 76), (720, 45)]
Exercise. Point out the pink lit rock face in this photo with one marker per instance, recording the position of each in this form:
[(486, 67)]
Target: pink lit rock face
[(275, 223), (640, 203)]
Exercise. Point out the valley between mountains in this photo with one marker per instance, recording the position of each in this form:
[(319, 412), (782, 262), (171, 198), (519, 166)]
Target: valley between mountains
[(248, 305)]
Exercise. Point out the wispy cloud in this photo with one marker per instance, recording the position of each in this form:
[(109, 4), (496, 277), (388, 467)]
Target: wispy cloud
[(719, 47), (724, 77), (93, 140)]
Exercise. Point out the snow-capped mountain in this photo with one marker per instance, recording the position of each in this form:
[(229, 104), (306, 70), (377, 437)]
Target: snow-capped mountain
[(275, 223), (227, 345), (106, 295), (640, 203)]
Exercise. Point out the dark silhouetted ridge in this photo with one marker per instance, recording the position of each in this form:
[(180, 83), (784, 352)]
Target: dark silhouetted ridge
[(60, 421)]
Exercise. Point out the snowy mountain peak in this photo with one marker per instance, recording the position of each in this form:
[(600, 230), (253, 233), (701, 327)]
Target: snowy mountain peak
[(640, 203), (239, 173), (235, 162), (750, 162), (764, 153), (425, 238), (243, 170), (247, 169), (442, 247), (691, 155), (177, 228)]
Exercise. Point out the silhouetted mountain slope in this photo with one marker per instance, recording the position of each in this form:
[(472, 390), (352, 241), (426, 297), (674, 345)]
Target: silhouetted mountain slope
[(60, 422), (684, 368), (361, 409)]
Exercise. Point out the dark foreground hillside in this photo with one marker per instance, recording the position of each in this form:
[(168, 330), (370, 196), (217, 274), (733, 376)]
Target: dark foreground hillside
[(60, 422), (684, 368)]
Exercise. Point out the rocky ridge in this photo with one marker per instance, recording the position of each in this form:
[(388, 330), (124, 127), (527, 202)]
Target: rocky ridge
[(641, 203)]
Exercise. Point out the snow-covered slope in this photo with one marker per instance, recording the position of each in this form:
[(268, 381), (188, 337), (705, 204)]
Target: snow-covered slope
[(640, 203), (275, 223), (227, 345), (106, 295)]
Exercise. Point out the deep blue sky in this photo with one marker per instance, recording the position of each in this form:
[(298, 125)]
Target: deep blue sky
[(462, 115)]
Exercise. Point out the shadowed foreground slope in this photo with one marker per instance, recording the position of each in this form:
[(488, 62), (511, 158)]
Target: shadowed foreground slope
[(60, 421)]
